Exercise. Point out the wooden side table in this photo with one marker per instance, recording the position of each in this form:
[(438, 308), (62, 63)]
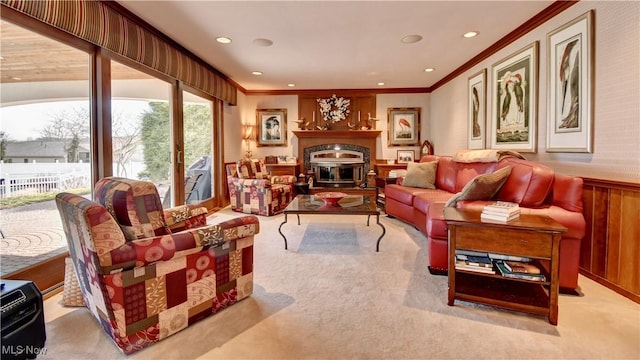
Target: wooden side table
[(283, 169), (381, 183), (533, 236), (382, 170)]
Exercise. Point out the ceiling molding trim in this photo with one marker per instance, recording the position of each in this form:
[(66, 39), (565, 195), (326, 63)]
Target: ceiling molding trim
[(331, 91), (531, 24)]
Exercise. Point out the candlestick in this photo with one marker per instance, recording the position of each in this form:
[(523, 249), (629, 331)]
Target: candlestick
[(314, 117), (358, 116)]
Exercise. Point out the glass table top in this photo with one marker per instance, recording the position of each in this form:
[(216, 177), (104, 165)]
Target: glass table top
[(351, 204)]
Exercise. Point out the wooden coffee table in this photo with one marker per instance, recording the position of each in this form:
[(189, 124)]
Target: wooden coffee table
[(533, 236), (350, 205)]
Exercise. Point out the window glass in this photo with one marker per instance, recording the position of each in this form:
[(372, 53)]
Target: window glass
[(141, 128), (198, 120), (44, 142)]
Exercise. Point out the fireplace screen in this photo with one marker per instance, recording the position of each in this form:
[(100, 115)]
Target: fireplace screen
[(337, 168)]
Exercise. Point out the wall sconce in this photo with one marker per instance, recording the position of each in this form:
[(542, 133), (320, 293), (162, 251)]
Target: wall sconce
[(247, 135)]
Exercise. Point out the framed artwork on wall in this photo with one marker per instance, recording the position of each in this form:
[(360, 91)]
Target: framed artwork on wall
[(515, 98), (405, 156), (570, 78), (272, 127), (403, 126), (476, 123)]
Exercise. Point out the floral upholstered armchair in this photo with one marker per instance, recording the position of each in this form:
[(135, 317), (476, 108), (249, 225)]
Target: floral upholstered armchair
[(252, 191), (141, 279)]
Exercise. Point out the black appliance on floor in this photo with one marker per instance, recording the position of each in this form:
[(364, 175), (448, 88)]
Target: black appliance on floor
[(22, 328)]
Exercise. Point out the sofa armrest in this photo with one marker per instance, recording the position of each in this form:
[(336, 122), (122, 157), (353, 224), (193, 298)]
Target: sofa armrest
[(259, 183), (143, 252), (283, 179), (185, 217)]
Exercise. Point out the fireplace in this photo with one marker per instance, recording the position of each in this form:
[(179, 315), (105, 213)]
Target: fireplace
[(335, 166), (340, 158)]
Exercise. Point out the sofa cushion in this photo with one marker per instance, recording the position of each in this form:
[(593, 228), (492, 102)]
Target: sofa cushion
[(422, 175), (529, 184), (481, 187), (447, 174), (422, 201)]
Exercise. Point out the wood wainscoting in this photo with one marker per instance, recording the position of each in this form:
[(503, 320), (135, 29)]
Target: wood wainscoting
[(610, 250)]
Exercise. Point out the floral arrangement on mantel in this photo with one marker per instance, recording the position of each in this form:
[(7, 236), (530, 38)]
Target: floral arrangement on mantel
[(334, 108)]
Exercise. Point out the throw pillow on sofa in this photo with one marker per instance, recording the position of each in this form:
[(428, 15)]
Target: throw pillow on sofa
[(481, 187), (422, 175)]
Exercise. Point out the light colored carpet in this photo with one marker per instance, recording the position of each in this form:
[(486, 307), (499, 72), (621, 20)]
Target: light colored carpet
[(333, 300)]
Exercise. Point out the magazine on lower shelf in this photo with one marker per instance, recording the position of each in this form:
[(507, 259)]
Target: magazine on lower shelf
[(504, 271)]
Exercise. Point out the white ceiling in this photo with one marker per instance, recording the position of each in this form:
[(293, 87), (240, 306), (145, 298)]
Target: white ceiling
[(335, 44)]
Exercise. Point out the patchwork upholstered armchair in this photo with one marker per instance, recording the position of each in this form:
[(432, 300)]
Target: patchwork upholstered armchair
[(252, 191), (146, 273)]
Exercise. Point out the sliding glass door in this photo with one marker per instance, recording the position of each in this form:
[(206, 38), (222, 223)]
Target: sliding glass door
[(45, 142)]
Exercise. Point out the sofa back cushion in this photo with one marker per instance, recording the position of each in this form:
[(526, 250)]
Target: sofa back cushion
[(452, 176), (469, 171), (481, 187), (529, 183), (251, 169), (567, 192), (134, 204), (446, 174)]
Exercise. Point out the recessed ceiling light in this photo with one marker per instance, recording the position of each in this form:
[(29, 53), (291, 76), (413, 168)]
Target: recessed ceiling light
[(291, 85), (429, 69), (223, 40), (471, 34), (262, 42), (16, 78), (256, 72), (410, 39), (381, 84)]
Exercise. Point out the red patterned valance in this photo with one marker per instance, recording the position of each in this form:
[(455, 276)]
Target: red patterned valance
[(105, 27)]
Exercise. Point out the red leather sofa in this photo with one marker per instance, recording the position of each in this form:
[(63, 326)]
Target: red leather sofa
[(534, 186)]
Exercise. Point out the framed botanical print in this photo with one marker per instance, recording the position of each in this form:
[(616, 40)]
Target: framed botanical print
[(476, 123), (515, 99), (403, 126), (570, 81), (272, 127)]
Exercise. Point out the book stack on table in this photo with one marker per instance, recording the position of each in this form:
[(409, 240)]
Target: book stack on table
[(500, 211)]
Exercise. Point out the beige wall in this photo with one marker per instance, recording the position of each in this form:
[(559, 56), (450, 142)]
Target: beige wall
[(616, 114)]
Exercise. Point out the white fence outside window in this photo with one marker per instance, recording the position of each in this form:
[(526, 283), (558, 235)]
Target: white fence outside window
[(30, 179)]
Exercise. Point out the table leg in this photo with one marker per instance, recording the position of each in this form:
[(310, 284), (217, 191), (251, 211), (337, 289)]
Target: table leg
[(368, 217), (384, 231), (280, 231), (298, 215)]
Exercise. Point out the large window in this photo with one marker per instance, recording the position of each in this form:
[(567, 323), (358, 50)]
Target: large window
[(71, 113), (44, 142), (141, 128)]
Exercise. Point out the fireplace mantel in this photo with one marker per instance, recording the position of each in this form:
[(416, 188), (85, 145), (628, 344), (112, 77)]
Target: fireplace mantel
[(366, 138), (324, 134)]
